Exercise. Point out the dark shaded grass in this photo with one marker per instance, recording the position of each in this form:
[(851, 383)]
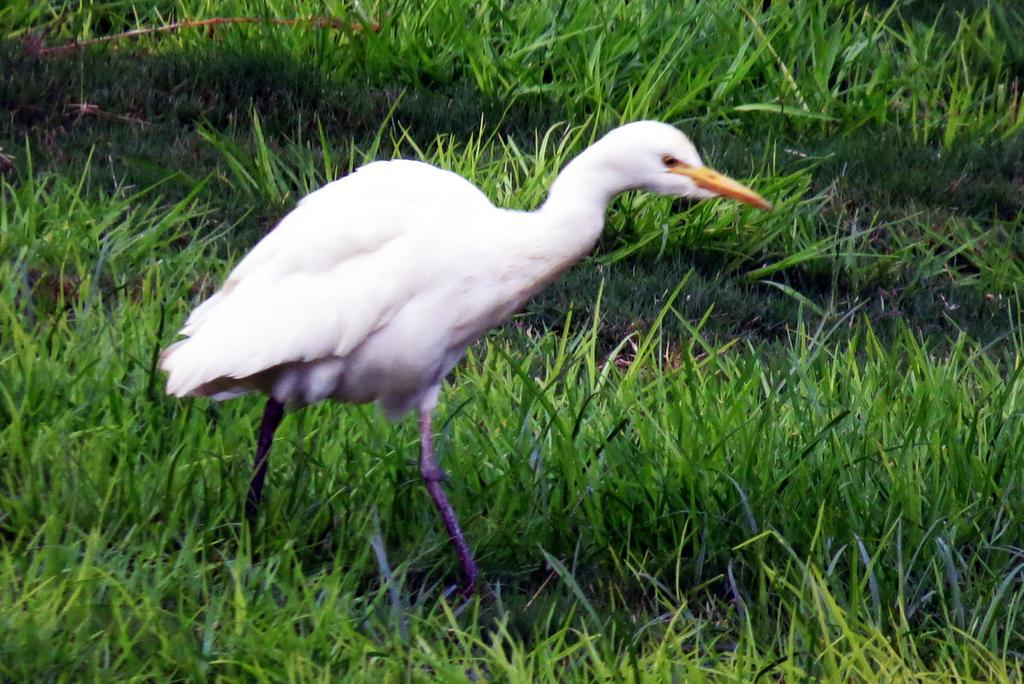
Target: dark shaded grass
[(869, 192)]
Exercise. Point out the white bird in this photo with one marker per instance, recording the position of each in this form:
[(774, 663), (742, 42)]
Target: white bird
[(372, 288)]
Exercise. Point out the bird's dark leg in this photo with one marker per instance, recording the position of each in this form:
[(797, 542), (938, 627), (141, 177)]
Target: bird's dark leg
[(272, 415), (432, 478)]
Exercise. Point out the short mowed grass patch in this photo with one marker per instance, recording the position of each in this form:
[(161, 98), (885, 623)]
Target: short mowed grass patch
[(730, 445)]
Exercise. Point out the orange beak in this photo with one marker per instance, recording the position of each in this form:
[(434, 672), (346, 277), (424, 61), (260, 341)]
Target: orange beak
[(721, 185)]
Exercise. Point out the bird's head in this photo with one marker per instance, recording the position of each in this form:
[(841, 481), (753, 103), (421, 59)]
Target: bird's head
[(659, 158)]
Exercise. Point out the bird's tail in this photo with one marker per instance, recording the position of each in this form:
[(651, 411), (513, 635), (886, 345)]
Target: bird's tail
[(187, 376), (178, 381)]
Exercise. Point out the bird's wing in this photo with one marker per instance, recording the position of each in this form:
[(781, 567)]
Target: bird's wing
[(331, 273), (349, 217)]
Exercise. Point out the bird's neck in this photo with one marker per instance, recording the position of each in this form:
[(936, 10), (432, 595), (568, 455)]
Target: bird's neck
[(563, 230), (572, 217), (539, 246)]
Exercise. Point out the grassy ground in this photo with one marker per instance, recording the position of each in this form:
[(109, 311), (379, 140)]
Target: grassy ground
[(806, 462)]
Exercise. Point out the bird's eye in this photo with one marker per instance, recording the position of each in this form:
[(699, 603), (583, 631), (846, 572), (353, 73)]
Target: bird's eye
[(669, 161)]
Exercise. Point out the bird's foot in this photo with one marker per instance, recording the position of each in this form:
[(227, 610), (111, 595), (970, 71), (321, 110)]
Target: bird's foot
[(459, 598)]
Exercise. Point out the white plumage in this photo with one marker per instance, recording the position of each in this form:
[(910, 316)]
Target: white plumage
[(356, 277), (373, 286)]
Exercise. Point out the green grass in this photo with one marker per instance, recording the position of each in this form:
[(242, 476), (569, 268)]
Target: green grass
[(731, 445)]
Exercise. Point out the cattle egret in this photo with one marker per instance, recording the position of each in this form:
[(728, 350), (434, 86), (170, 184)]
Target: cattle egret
[(372, 288)]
